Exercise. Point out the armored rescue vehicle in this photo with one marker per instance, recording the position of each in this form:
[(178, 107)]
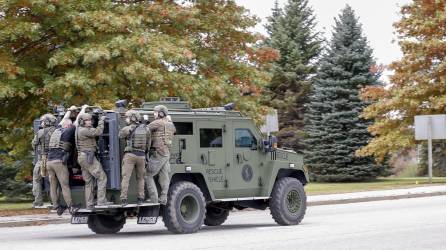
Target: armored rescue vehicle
[(220, 161)]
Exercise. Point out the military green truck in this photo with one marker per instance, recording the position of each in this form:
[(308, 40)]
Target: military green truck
[(220, 161)]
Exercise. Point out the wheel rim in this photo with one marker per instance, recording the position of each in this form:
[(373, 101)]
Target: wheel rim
[(293, 201), (189, 208)]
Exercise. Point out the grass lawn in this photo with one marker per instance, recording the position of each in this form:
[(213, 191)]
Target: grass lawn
[(314, 188), (15, 206), (10, 206)]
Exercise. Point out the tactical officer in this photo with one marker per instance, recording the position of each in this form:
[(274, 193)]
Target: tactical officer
[(138, 140), (73, 111), (41, 144), (85, 138), (162, 131), (60, 146)]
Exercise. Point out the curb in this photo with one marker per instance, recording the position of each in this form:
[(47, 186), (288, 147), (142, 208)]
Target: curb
[(311, 203), (34, 223), (378, 198)]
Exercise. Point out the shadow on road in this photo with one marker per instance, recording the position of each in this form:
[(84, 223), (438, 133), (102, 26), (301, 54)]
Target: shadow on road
[(236, 226), (155, 233)]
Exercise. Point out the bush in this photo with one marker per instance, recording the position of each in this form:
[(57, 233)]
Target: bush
[(10, 187)]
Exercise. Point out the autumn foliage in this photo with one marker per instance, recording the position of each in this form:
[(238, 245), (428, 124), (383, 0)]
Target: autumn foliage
[(98, 51), (418, 85)]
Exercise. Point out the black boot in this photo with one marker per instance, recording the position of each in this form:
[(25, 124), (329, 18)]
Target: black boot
[(140, 201), (60, 210), (124, 202), (73, 208)]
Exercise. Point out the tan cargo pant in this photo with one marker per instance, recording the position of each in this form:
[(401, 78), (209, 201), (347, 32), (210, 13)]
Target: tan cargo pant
[(158, 166), (90, 171), (58, 173), (129, 162), (37, 182)]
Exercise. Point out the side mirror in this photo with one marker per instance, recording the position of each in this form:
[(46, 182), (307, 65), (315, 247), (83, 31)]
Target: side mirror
[(254, 145), (270, 144)]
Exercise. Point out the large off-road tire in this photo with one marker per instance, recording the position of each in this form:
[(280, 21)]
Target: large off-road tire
[(185, 209), (288, 202), (106, 224), (215, 216)]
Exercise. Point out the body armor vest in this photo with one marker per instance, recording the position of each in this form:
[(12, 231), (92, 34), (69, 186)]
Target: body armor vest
[(56, 142), (84, 143), (163, 136), (137, 140), (45, 140)]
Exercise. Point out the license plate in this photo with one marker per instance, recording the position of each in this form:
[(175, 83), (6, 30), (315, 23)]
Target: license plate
[(79, 219), (147, 220)]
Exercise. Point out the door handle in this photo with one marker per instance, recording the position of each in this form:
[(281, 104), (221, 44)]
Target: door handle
[(239, 158), (204, 159)]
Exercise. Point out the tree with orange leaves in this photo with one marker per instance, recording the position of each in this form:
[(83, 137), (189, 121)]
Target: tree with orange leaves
[(418, 85), (98, 51)]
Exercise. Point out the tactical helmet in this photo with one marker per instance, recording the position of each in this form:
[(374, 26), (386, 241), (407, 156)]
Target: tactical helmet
[(83, 117), (133, 115), (48, 120), (161, 109)]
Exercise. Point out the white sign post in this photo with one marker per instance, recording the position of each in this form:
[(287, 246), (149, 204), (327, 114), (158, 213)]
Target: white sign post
[(430, 127)]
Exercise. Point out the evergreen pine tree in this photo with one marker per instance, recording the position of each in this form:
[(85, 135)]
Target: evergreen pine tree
[(438, 159), (335, 129), (271, 26), (292, 33)]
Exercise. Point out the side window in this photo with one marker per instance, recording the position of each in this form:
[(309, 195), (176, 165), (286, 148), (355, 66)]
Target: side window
[(244, 138), (211, 138), (184, 128)]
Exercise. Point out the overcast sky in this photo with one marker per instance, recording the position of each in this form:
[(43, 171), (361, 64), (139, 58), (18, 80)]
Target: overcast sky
[(376, 16)]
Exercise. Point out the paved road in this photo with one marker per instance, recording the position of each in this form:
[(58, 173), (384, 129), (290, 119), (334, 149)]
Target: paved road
[(418, 223)]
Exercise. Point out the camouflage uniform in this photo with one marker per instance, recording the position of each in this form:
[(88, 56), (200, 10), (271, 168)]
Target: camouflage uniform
[(162, 131), (40, 143), (90, 166), (138, 139)]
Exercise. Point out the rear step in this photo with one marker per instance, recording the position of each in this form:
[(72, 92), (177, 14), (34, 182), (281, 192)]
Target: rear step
[(147, 213)]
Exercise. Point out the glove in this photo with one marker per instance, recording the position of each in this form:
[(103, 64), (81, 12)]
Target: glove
[(72, 108)]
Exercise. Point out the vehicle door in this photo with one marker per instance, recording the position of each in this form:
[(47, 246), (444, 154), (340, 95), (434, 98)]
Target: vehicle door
[(212, 155), (245, 168)]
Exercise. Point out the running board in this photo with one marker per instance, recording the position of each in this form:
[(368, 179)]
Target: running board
[(114, 206), (244, 199)]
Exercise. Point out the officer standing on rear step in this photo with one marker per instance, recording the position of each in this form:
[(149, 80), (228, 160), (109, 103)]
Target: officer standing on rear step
[(162, 131), (61, 144), (85, 138), (137, 137), (41, 143)]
